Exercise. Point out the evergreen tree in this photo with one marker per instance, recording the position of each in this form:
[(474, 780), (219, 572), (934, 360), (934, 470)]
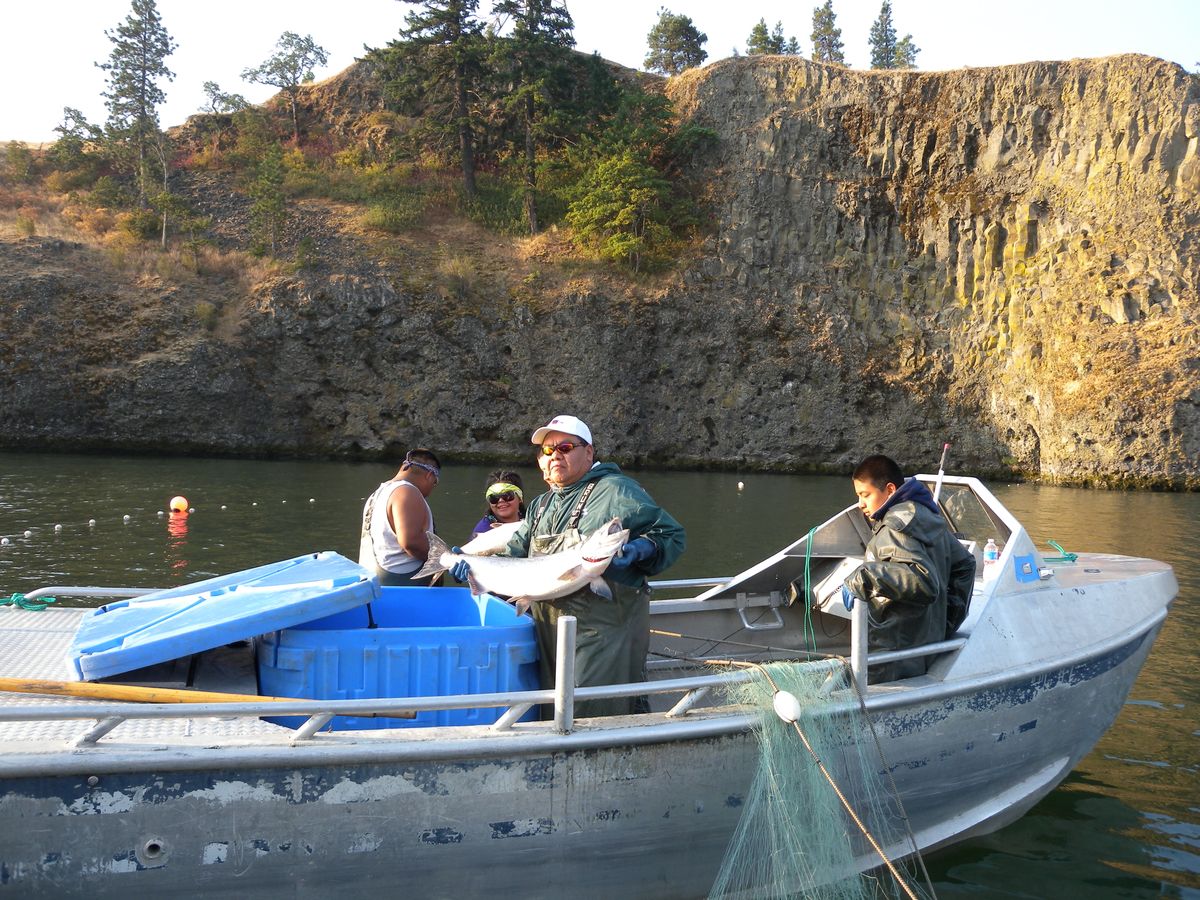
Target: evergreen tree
[(759, 41), (883, 39), (773, 42), (290, 66), (542, 33), (906, 53), (622, 210), (675, 44), (439, 65), (269, 210), (826, 36), (140, 47)]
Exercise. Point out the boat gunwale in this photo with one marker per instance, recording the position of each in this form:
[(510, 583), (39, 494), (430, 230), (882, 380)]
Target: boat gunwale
[(432, 744)]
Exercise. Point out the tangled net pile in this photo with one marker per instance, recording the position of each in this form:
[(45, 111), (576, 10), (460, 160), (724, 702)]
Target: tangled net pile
[(795, 837)]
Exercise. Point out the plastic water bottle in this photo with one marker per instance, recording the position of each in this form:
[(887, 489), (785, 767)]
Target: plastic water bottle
[(991, 553)]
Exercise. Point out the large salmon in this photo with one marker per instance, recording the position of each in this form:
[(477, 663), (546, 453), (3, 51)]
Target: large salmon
[(526, 580)]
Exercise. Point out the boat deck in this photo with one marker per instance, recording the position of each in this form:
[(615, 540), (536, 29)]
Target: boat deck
[(34, 644)]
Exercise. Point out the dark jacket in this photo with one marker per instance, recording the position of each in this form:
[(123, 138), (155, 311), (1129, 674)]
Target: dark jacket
[(917, 577)]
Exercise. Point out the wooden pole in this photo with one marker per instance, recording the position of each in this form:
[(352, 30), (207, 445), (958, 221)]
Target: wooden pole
[(95, 691)]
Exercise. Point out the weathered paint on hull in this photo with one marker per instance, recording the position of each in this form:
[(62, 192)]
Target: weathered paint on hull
[(650, 820)]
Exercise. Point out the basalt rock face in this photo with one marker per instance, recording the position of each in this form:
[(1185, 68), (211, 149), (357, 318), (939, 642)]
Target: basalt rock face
[(1006, 259)]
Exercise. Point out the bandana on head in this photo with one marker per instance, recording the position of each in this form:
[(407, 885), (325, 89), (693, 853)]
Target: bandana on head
[(500, 487)]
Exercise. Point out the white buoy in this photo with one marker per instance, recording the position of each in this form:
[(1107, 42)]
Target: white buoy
[(255, 503), (741, 486), (125, 519), (285, 501), (58, 528), (222, 506), (28, 534), (191, 509), (161, 514), (787, 707), (91, 523), (4, 542), (311, 500)]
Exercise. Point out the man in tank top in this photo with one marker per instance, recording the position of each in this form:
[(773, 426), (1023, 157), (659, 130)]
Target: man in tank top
[(393, 542)]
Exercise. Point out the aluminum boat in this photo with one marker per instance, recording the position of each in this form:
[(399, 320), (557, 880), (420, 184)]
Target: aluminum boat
[(102, 798)]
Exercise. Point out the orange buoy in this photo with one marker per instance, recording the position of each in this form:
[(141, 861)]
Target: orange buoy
[(179, 504)]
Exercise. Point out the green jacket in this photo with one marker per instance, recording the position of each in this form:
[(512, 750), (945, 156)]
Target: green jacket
[(613, 636), (917, 578)]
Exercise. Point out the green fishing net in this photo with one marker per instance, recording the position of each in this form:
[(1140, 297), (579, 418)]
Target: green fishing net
[(796, 838)]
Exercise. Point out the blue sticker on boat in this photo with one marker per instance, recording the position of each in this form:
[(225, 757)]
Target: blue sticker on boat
[(1025, 568)]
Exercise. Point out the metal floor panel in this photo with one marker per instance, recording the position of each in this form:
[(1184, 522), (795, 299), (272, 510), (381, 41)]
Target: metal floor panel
[(35, 645)]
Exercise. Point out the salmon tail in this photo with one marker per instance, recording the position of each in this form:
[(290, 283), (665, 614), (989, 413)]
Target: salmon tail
[(600, 586), (433, 562)]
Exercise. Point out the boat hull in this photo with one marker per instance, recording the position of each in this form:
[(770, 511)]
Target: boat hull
[(639, 811)]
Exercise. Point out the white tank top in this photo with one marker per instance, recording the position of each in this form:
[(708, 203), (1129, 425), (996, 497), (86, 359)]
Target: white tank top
[(378, 547)]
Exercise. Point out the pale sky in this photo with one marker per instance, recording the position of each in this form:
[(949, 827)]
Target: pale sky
[(51, 46)]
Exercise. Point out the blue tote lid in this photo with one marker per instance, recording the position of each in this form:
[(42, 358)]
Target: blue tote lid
[(130, 634)]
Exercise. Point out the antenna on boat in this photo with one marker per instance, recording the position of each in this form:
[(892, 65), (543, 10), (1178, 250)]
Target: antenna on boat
[(937, 485)]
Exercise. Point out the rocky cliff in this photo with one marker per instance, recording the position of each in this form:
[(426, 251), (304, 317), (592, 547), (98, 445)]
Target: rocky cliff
[(1007, 259)]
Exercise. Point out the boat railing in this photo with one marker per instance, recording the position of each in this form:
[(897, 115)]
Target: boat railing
[(563, 697), (107, 716)]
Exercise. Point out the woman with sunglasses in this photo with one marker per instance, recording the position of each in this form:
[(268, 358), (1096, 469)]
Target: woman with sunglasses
[(504, 494)]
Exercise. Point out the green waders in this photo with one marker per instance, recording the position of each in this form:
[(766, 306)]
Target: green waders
[(611, 640)]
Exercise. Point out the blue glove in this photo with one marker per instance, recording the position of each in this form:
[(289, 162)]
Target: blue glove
[(636, 550), (461, 569), (847, 598)]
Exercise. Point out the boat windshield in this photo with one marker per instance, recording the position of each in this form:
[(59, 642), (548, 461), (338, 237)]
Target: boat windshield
[(968, 518)]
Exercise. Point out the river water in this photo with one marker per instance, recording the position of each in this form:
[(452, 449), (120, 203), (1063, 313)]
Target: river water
[(1125, 823)]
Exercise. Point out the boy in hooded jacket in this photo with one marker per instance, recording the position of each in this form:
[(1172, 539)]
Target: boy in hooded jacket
[(917, 576)]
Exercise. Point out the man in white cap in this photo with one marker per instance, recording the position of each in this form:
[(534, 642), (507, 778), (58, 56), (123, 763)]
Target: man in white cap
[(613, 635)]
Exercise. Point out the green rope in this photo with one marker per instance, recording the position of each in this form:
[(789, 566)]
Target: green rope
[(20, 601), (810, 634), (1063, 556)]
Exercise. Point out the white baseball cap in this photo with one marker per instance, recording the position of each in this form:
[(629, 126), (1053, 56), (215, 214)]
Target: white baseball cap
[(565, 424)]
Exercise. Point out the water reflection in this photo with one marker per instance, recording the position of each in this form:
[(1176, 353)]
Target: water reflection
[(177, 530)]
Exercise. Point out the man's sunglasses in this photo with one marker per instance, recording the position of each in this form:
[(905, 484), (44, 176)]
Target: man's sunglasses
[(506, 497), (563, 447)]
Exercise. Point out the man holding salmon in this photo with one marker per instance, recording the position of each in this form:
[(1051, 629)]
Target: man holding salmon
[(613, 636)]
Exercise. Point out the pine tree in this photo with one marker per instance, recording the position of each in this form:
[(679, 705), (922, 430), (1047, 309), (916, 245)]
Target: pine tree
[(759, 41), (906, 53), (542, 33), (269, 209), (826, 36), (773, 42), (675, 44), (883, 39), (290, 66), (438, 65), (140, 47)]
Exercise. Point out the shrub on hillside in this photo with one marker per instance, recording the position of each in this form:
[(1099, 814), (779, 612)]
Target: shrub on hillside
[(142, 224)]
